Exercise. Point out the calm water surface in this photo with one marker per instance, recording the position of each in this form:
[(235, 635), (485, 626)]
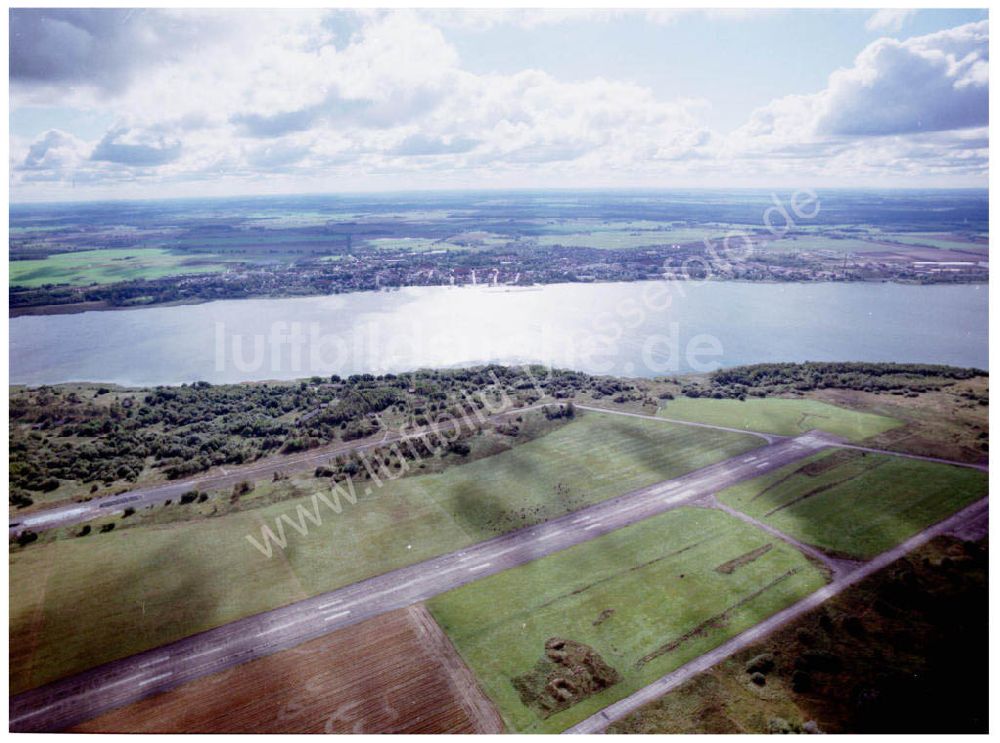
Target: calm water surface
[(639, 329)]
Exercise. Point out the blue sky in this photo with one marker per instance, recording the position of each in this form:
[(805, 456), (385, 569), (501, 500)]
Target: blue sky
[(126, 103)]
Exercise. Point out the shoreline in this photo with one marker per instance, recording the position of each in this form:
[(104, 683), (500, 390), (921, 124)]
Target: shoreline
[(77, 308)]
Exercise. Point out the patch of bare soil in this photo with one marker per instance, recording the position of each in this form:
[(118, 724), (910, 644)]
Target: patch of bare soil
[(568, 673), (396, 673), (731, 566)]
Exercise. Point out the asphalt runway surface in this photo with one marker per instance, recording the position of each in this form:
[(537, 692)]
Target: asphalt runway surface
[(69, 701)]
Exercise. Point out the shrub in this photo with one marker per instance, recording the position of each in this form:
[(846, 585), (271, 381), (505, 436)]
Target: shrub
[(763, 663), (105, 528), (460, 448)]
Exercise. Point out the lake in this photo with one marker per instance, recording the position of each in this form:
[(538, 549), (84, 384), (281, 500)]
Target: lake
[(633, 329)]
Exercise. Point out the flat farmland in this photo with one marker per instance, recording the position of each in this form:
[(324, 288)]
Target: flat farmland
[(86, 267), (396, 673), (608, 239), (77, 602), (644, 599), (783, 416), (854, 503)]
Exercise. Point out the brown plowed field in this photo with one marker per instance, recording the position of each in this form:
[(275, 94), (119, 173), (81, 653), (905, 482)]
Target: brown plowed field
[(396, 673)]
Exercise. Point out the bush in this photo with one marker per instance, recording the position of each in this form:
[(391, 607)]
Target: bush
[(801, 682), (189, 497), (84, 531), (20, 499), (105, 528), (758, 678), (460, 448), (763, 663), (242, 488), (26, 537), (128, 512)]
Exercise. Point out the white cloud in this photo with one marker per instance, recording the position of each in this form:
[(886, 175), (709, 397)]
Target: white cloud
[(336, 98), (937, 82), (889, 19)]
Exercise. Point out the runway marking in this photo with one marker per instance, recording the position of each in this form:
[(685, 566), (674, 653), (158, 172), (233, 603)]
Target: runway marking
[(329, 604), (580, 520), (103, 687), (337, 615), (550, 535), (749, 459), (762, 464), (592, 526), (279, 627), (155, 661), (474, 568), (205, 652)]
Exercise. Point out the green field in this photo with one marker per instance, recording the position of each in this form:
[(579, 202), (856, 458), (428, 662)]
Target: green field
[(786, 417), (87, 267), (937, 240), (813, 243), (409, 244), (77, 602), (659, 579), (608, 239), (855, 503)]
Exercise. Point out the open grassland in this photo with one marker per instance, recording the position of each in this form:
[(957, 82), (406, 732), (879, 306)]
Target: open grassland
[(78, 602), (854, 503), (647, 599), (87, 267), (787, 417), (396, 673), (908, 640)]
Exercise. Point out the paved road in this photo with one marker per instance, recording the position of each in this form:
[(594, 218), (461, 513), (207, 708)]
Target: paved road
[(597, 723), (66, 702), (76, 513)]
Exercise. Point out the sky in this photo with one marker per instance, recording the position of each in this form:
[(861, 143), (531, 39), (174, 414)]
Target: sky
[(118, 103)]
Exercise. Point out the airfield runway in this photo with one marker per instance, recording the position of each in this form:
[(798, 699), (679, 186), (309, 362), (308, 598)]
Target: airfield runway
[(69, 701), (221, 477)]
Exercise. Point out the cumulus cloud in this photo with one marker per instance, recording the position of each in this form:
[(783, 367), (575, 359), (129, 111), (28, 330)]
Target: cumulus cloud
[(340, 95), (927, 83), (100, 47), (55, 150), (937, 82), (131, 147)]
